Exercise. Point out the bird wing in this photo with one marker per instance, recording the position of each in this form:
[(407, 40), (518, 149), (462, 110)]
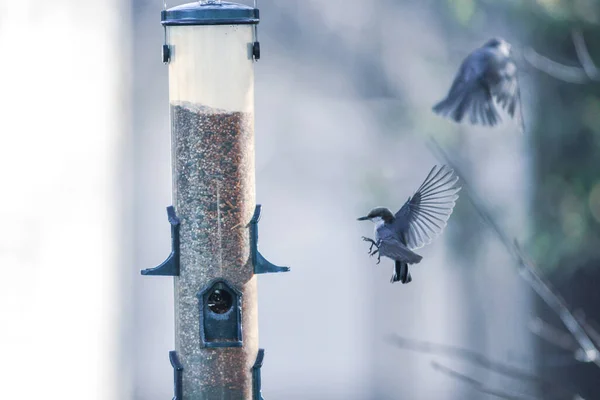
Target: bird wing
[(392, 248), (425, 214), (469, 93), (508, 93)]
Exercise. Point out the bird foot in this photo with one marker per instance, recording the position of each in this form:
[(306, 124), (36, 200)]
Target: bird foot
[(366, 239)]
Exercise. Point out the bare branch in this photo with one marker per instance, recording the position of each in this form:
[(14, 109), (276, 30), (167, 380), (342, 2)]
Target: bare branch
[(561, 340), (566, 73), (584, 55), (553, 300), (551, 390), (480, 386), (527, 270), (557, 361), (590, 326), (553, 335), (554, 69)]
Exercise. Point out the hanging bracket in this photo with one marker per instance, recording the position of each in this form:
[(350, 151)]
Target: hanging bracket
[(166, 50), (166, 53), (261, 265), (256, 43), (170, 267)]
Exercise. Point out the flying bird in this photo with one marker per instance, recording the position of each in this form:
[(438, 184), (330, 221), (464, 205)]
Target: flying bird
[(417, 223), (489, 73)]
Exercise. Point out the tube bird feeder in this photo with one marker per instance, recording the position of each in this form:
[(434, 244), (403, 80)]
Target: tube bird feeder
[(210, 48)]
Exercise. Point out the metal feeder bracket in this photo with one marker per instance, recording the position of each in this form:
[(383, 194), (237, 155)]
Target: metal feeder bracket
[(261, 265), (166, 53), (166, 50), (170, 267), (256, 378), (177, 375)]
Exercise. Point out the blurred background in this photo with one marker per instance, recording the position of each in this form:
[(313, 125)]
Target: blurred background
[(343, 98)]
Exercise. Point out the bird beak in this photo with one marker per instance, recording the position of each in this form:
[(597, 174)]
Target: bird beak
[(362, 218)]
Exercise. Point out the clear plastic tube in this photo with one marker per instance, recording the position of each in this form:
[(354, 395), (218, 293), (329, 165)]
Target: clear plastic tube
[(212, 66), (211, 92)]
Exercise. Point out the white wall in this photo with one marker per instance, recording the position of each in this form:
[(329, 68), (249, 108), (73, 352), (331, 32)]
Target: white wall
[(64, 124)]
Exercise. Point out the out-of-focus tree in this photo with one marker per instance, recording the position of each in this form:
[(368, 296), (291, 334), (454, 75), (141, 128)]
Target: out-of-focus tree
[(557, 52)]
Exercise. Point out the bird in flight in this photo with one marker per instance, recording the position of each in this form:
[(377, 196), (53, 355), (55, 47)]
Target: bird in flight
[(487, 78), (417, 223)]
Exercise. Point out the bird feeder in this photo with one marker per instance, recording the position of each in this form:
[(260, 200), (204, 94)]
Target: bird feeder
[(210, 48)]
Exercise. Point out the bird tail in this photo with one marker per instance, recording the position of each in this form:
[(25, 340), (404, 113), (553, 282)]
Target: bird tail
[(403, 253), (445, 106), (401, 273), (454, 105)]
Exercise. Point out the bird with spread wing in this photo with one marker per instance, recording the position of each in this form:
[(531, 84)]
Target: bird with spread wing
[(416, 224), (487, 76)]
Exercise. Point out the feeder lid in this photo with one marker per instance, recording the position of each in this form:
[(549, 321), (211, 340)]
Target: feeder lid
[(210, 13)]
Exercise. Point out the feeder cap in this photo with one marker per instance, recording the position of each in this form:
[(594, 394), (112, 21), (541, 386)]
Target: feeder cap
[(210, 13)]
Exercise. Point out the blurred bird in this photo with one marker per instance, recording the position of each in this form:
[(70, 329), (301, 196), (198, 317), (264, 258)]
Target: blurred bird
[(488, 73), (421, 218)]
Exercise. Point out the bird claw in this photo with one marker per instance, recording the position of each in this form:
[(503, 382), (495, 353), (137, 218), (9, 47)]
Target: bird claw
[(373, 244), (378, 255), (366, 239)]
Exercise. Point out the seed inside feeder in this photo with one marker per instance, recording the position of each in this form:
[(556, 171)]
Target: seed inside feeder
[(213, 156)]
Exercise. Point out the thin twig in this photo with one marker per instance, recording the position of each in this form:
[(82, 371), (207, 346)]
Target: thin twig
[(553, 335), (590, 326), (548, 388), (584, 55), (528, 271), (480, 386), (557, 361)]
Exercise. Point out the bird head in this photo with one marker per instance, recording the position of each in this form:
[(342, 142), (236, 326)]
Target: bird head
[(500, 44), (378, 214)]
